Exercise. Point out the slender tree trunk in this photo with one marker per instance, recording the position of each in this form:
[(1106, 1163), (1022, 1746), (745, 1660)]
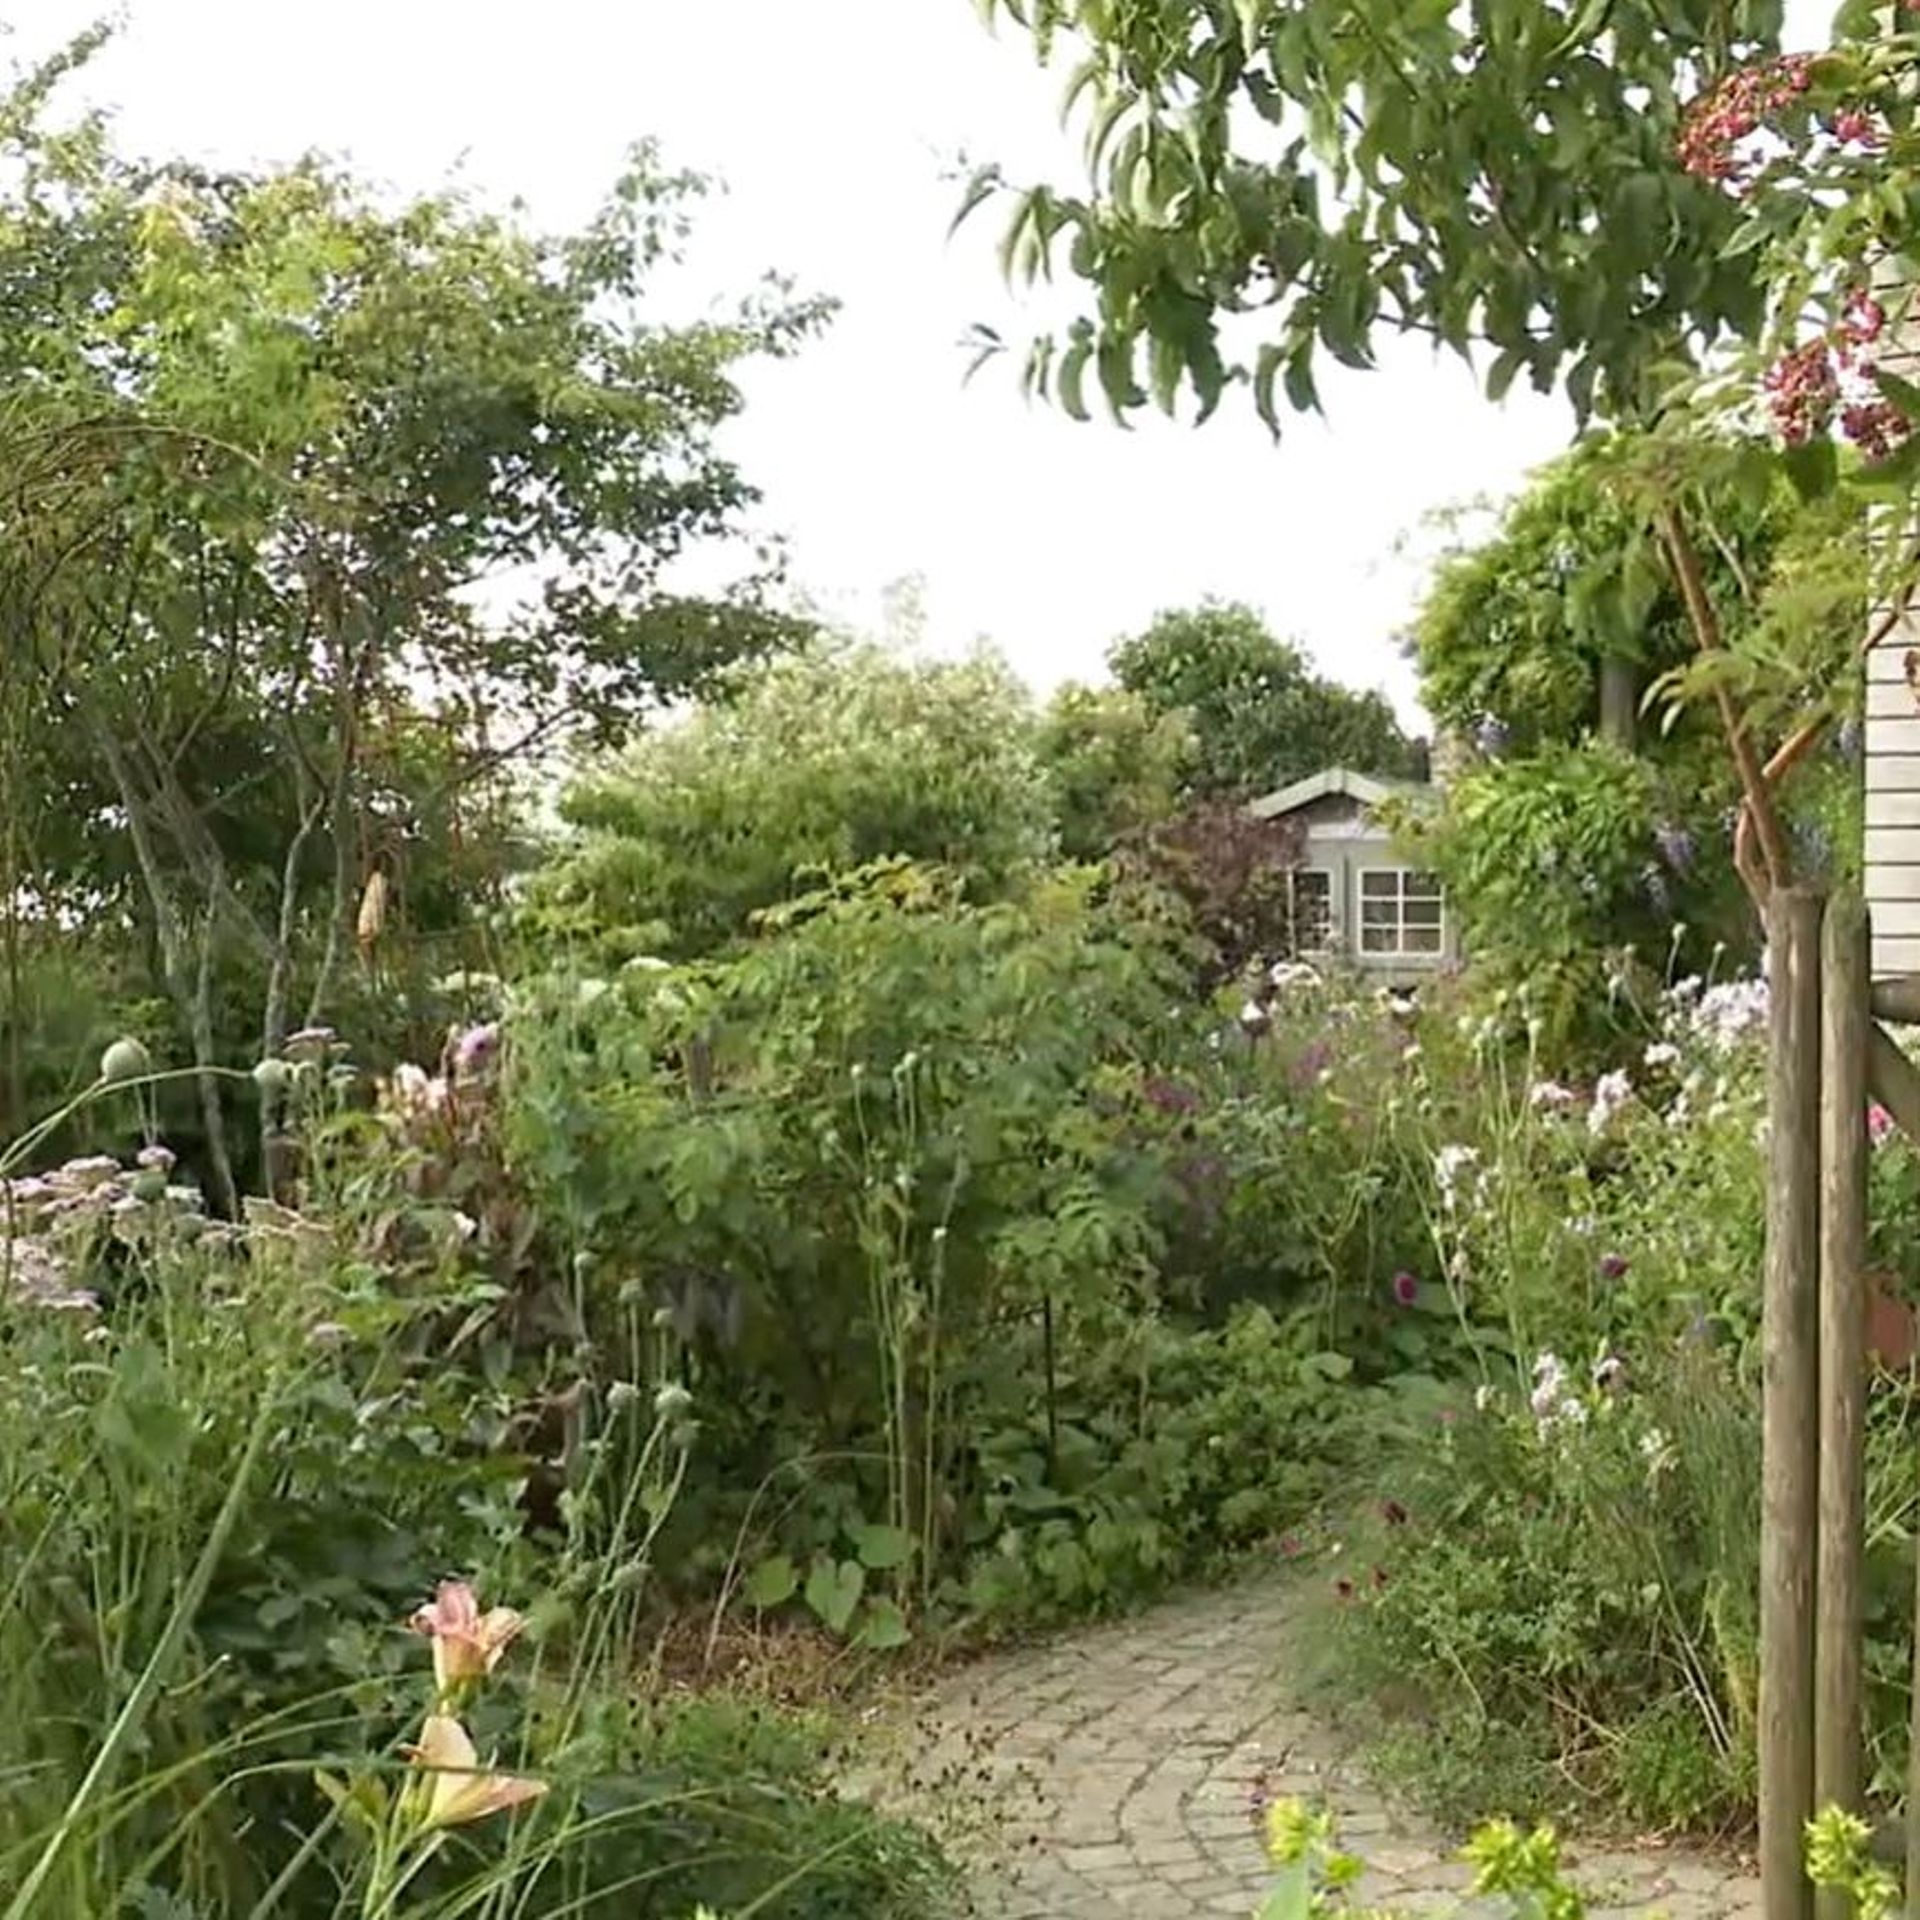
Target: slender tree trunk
[(1619, 702)]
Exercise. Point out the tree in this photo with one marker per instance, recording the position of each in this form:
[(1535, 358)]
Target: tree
[(394, 493), (1116, 764), (1519, 633), (1259, 716), (815, 765), (1503, 174)]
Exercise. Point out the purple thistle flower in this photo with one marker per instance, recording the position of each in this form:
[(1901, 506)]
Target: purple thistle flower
[(1406, 1289), (1613, 1266), (1393, 1513)]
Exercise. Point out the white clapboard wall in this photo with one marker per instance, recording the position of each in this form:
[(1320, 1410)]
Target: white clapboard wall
[(1892, 742)]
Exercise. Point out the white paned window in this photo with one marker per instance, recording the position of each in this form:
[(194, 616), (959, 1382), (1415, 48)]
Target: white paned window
[(1401, 911)]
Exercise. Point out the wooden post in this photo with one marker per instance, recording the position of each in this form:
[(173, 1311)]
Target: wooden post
[(1789, 1412), (1838, 1605)]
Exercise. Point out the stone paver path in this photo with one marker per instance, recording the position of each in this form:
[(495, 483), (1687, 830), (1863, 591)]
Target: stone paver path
[(1115, 1773)]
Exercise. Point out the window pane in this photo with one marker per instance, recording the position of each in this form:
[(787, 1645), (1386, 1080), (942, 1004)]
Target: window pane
[(1376, 885), (1379, 940), (1422, 913), (1313, 883), (1423, 939), (1423, 886), (1379, 913)]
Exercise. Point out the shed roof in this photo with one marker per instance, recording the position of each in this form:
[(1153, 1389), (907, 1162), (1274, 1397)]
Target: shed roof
[(1364, 787)]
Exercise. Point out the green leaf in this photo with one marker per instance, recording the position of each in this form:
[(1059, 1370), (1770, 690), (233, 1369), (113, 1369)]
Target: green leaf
[(985, 183), (1814, 468), (1292, 1894), (1072, 379), (880, 1549), (882, 1627), (1500, 376), (834, 1591), (1266, 372), (771, 1584), (1333, 1366)]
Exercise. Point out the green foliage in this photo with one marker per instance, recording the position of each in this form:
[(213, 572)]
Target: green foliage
[(1116, 763), (1515, 627), (1556, 860), (1318, 1878), (291, 427), (1260, 718), (816, 766), (1506, 176), (853, 1164)]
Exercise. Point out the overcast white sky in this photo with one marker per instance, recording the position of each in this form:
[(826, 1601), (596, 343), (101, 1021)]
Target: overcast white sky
[(833, 123)]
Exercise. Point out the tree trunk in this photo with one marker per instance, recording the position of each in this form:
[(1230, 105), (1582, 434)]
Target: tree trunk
[(1619, 701)]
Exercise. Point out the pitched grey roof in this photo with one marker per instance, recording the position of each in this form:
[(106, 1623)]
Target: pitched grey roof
[(1363, 787)]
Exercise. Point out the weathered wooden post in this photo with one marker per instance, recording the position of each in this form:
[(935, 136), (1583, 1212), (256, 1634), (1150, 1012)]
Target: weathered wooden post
[(1838, 1605), (1789, 1412)]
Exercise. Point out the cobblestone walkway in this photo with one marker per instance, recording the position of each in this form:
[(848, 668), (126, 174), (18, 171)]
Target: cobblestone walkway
[(1113, 1773)]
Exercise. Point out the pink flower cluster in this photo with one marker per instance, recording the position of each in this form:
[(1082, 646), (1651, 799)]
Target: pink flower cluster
[(1738, 107), (1835, 376)]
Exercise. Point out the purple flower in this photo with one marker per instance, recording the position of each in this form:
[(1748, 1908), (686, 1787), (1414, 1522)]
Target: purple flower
[(475, 1048), (1169, 1095), (1406, 1289), (1393, 1513), (1613, 1266), (1491, 736)]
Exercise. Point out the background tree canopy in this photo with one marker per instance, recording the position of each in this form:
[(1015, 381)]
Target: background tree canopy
[(1259, 715), (358, 505)]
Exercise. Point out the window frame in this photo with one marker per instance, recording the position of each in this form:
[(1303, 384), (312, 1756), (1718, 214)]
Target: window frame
[(1400, 950), (1330, 942)]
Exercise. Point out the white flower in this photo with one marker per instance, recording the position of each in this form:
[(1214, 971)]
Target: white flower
[(1611, 1092), (1661, 1053), (1550, 1093), (1484, 1398), (1448, 1164), (1657, 1451)]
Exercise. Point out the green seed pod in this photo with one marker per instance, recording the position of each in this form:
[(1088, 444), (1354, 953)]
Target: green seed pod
[(272, 1077), (125, 1060)]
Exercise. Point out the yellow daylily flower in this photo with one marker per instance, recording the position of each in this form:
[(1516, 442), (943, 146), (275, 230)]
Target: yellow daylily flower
[(457, 1788)]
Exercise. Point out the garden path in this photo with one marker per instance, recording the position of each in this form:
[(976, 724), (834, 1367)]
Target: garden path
[(1112, 1773)]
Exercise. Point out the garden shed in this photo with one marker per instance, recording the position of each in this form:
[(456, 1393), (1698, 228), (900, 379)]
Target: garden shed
[(1355, 893)]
